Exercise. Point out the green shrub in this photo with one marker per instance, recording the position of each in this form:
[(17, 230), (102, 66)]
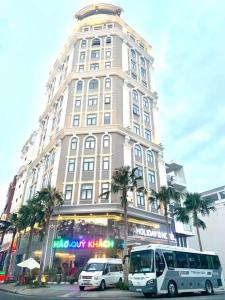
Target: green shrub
[(121, 285)]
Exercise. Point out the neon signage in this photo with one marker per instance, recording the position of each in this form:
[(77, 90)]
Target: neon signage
[(83, 244)]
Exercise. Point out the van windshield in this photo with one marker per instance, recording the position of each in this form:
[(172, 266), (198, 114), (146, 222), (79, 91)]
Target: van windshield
[(141, 261), (92, 267)]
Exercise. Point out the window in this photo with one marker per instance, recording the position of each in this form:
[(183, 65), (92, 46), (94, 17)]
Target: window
[(148, 134), (142, 60), (68, 192), (132, 37), (83, 43), (90, 142), (92, 100), (143, 72), (136, 128), (106, 140), (79, 85), (216, 262), (108, 65), (82, 55), (105, 164), (77, 101), (135, 95), (105, 188), (145, 102), (136, 110), (133, 53), (134, 76), (181, 259), (86, 191), (108, 40), (71, 165), (109, 26), (85, 29), (137, 151), (149, 156), (95, 54), (81, 68), (133, 66), (107, 99), (76, 120), (146, 118), (88, 164), (108, 53), (142, 46), (169, 257), (94, 67), (97, 27), (91, 119), (139, 171), (106, 118), (151, 177), (93, 84), (204, 261), (194, 261), (144, 83), (107, 83), (95, 42), (73, 144), (140, 198)]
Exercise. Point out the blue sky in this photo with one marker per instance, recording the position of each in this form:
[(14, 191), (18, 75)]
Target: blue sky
[(188, 46)]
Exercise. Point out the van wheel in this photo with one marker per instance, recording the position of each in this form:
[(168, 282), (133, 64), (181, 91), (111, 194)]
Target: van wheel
[(147, 295), (102, 285), (172, 289), (209, 287), (81, 288)]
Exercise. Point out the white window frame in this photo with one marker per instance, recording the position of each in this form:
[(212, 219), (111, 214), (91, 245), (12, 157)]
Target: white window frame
[(86, 192), (71, 165), (105, 163), (88, 164), (91, 119)]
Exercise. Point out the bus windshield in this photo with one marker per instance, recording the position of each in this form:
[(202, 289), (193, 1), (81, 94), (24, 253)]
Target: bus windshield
[(141, 261)]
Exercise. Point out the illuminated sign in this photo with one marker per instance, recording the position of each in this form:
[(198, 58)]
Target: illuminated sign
[(86, 244), (154, 234)]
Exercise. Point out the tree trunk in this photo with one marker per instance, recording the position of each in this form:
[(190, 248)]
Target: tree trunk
[(2, 237), (8, 260), (29, 242), (125, 269), (167, 226), (199, 239), (43, 249)]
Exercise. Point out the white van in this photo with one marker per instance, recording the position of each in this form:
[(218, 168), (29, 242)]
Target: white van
[(101, 273)]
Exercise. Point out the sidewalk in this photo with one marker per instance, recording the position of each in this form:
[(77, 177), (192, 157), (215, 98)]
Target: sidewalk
[(68, 291)]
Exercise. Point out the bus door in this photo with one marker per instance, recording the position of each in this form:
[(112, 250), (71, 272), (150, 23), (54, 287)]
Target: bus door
[(159, 268)]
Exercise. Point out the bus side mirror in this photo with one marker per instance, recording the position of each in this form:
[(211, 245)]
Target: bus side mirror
[(124, 258)]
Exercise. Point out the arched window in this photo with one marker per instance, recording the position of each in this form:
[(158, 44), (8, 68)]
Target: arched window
[(106, 141), (150, 156), (142, 60), (95, 42), (145, 102), (137, 151), (107, 83), (79, 85), (108, 40), (90, 142), (83, 43), (93, 84), (133, 53), (73, 143), (135, 95)]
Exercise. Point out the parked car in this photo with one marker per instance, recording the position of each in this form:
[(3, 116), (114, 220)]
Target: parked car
[(101, 273)]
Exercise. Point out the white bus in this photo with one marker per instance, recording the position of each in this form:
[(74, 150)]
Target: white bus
[(160, 269)]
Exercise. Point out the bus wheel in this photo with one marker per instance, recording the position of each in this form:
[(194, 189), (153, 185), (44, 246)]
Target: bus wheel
[(102, 285), (81, 288), (172, 289), (209, 287)]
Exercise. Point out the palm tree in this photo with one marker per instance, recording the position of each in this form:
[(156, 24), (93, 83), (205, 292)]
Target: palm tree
[(49, 198), (3, 229), (34, 214), (124, 180), (193, 206), (166, 196), (17, 224)]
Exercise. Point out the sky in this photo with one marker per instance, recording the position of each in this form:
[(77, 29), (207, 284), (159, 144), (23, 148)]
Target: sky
[(188, 43)]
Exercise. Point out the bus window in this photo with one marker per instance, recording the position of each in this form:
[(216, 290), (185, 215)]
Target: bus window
[(169, 259), (181, 259), (210, 265), (194, 261), (204, 261), (141, 262), (159, 264), (216, 262)]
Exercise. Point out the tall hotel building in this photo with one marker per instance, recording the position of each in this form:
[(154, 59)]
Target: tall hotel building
[(100, 113)]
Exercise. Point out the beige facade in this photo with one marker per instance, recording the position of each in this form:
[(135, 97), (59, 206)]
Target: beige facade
[(100, 114)]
